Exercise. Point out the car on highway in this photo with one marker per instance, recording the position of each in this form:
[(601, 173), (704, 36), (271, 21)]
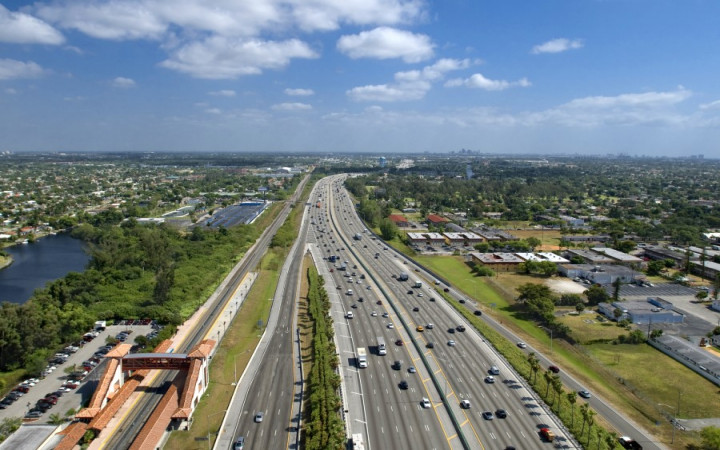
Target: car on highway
[(420, 294), (386, 315), (489, 379), (412, 369), (349, 315), (477, 312), (554, 369), (451, 343), (416, 309), (487, 415), (397, 365), (354, 306), (399, 342), (522, 344), (374, 313), (494, 370), (391, 326), (460, 328), (259, 417), (430, 345), (451, 330), (584, 393), (379, 302), (419, 328), (239, 444), (410, 292), (462, 301), (501, 414), (465, 404), (430, 326), (403, 384), (425, 403), (432, 299)]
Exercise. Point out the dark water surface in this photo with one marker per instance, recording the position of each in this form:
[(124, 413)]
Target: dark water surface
[(35, 264)]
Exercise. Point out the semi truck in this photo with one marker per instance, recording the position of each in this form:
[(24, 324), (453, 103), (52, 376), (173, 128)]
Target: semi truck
[(362, 358), (382, 349)]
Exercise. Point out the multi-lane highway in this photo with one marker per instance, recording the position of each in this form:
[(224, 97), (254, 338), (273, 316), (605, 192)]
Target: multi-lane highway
[(460, 360)]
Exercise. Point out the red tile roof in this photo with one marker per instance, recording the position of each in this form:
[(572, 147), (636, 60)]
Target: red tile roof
[(436, 219)]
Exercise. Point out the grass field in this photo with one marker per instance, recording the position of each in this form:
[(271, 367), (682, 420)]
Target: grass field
[(586, 328)]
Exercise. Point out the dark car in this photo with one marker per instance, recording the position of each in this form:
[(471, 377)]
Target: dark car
[(501, 414), (416, 309), (432, 299), (446, 290), (403, 384), (397, 365), (451, 330), (460, 328), (399, 342), (477, 312), (554, 369), (462, 300), (430, 345), (410, 292)]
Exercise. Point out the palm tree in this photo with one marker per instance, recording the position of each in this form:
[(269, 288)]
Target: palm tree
[(548, 379), (584, 413), (558, 388), (572, 399), (590, 421), (534, 365), (611, 439), (56, 419)]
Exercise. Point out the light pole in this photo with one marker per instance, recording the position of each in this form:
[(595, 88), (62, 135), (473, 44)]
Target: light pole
[(551, 335), (673, 421), (208, 418)]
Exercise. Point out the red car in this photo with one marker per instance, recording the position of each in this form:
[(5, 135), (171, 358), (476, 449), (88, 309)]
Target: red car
[(554, 369), (399, 342)]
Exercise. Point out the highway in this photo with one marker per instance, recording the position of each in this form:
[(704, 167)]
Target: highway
[(126, 432), (462, 367)]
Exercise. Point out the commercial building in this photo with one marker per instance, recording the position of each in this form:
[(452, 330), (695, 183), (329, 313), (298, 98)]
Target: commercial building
[(599, 274), (653, 310), (619, 257), (499, 262)]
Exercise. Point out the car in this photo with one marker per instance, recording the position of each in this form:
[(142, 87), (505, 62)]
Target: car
[(397, 365), (494, 370), (354, 306), (465, 404), (451, 330), (430, 345), (420, 328), (446, 290), (501, 414), (460, 328), (410, 292), (349, 315), (368, 287), (391, 326), (584, 393), (430, 326), (462, 301), (239, 444), (522, 344), (403, 384), (386, 315), (34, 414), (399, 342), (489, 379), (412, 369), (554, 369), (420, 294), (425, 403), (451, 343), (259, 417), (487, 415), (432, 299), (379, 302), (477, 312), (416, 309), (374, 314)]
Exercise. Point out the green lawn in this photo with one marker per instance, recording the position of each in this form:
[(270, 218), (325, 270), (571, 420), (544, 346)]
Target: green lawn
[(586, 328)]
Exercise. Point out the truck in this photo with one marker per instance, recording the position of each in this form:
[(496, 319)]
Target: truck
[(418, 284), (357, 442), (361, 358), (100, 325), (547, 434), (403, 276), (382, 349)]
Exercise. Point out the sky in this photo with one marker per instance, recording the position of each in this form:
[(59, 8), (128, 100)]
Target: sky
[(635, 77)]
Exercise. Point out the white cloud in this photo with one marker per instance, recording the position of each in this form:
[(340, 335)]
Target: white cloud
[(409, 85), (299, 92), (122, 82), (222, 58), (387, 43), (215, 111), (11, 69), (479, 81), (21, 28), (292, 107), (329, 14), (711, 105), (645, 99), (223, 93), (557, 46), (11, 91)]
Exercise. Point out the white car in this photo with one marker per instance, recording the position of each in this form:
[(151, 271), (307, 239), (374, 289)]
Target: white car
[(451, 343), (390, 325), (374, 314), (490, 379), (465, 404), (425, 403), (430, 326), (522, 344)]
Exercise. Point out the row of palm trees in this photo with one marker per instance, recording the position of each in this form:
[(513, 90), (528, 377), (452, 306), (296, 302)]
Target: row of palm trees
[(556, 397)]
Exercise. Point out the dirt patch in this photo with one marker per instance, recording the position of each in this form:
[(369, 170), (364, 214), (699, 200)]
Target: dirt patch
[(565, 286)]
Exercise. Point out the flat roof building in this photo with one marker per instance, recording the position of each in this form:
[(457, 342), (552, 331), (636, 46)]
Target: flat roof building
[(640, 312), (497, 261), (620, 257)]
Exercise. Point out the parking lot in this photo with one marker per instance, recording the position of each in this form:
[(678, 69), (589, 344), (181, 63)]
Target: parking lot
[(66, 391)]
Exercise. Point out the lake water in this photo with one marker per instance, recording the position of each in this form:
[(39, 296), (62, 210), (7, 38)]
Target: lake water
[(35, 264)]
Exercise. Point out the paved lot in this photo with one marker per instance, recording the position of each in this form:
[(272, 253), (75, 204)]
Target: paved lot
[(53, 382), (236, 214)]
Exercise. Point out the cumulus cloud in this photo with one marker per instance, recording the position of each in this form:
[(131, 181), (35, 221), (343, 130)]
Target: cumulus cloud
[(409, 85), (214, 111), (13, 69), (218, 57), (122, 82), (481, 82), (299, 92), (387, 43), (292, 107), (557, 46), (223, 93), (21, 28), (711, 105), (642, 100)]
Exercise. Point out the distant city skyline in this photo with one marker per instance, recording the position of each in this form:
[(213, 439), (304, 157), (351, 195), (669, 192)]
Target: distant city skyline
[(378, 76)]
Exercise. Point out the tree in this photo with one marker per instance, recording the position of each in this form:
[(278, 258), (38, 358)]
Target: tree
[(533, 242), (534, 365), (654, 268), (548, 380), (616, 289), (701, 295), (558, 388), (572, 399), (388, 229), (584, 408), (580, 307), (56, 419), (596, 294), (611, 440), (710, 438)]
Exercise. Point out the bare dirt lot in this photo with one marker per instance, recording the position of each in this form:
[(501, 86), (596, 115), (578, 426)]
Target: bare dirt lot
[(565, 286)]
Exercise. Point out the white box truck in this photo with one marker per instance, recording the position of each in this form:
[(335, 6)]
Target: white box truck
[(418, 284), (362, 358)]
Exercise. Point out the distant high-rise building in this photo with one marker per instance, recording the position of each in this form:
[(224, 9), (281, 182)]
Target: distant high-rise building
[(382, 161)]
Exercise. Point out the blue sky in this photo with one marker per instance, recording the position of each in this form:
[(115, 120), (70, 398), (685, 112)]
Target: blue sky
[(507, 76)]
